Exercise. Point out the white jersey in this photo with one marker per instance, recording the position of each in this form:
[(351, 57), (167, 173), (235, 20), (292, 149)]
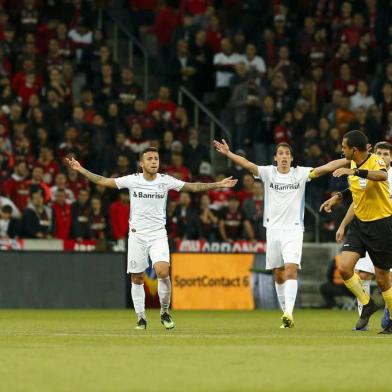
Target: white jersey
[(284, 197), (148, 199)]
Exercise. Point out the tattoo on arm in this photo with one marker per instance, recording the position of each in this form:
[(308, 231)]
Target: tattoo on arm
[(199, 186), (95, 178)]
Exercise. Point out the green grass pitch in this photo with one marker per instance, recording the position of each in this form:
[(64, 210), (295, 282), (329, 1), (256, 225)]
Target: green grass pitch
[(90, 350)]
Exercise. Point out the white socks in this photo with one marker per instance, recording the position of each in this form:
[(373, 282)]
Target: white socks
[(366, 288), (279, 287), (164, 293), (290, 294), (139, 299)]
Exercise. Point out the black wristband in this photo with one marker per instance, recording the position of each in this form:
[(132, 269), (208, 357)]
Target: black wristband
[(361, 173), (345, 194)]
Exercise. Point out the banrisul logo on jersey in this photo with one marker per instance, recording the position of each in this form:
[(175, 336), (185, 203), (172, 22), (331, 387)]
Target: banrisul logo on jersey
[(284, 187), (143, 195)]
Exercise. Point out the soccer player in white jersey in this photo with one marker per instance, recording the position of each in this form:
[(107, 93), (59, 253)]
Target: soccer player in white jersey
[(364, 266), (147, 234), (284, 205)]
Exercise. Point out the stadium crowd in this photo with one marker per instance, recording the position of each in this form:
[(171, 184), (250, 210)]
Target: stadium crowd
[(301, 72)]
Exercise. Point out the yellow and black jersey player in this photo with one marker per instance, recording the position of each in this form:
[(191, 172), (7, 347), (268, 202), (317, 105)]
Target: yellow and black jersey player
[(371, 228)]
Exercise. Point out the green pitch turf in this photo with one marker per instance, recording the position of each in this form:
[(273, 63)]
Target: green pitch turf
[(93, 350)]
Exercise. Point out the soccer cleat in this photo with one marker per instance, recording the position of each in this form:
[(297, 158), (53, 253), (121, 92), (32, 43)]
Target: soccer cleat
[(388, 329), (167, 321), (282, 326), (385, 318), (367, 311), (287, 320), (364, 329), (141, 324)]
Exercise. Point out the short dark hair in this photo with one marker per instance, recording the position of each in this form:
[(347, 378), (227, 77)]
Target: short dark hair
[(7, 209), (383, 145), (148, 149), (283, 144), (356, 139)]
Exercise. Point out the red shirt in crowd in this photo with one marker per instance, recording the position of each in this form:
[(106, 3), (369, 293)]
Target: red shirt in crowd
[(119, 215), (17, 189), (164, 25), (62, 216), (242, 195), (156, 104), (51, 169), (347, 87), (220, 197)]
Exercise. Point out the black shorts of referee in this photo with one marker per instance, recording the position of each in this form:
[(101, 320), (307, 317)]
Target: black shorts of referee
[(374, 237)]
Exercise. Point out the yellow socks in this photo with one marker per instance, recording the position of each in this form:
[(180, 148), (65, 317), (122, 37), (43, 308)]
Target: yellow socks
[(354, 284), (387, 295)]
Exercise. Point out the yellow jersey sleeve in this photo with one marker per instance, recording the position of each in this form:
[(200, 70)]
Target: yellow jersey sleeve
[(371, 198)]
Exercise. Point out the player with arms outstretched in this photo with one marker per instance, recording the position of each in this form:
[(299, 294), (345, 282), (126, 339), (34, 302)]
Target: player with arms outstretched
[(284, 205), (147, 234), (364, 266), (371, 227)]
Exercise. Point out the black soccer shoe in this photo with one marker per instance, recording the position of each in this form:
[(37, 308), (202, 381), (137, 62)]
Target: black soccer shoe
[(388, 329), (367, 311), (141, 324)]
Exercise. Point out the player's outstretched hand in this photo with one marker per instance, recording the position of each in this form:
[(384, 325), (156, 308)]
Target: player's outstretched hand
[(328, 204), (222, 148), (340, 234), (228, 182), (344, 171), (73, 163)]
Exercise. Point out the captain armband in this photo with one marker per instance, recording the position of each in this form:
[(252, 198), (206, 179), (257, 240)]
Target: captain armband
[(343, 195), (313, 175)]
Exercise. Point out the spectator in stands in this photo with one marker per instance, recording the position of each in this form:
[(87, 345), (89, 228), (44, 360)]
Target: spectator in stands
[(17, 187), (208, 220), (48, 164), (232, 222), (334, 287), (38, 184), (99, 227), (80, 211), (194, 152), (246, 190), (5, 201), (203, 56), (182, 68), (38, 219), (9, 226), (177, 168), (361, 97), (60, 182), (81, 36), (128, 90), (137, 142), (246, 100), (186, 218), (121, 147), (62, 215), (163, 104), (253, 209), (263, 135), (255, 64), (224, 64), (119, 215)]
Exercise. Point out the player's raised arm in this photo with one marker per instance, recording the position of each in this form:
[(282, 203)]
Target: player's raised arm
[(373, 175), (95, 178), (224, 149), (329, 167), (203, 187)]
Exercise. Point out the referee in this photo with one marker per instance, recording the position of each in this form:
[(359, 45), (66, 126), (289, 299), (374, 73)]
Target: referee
[(371, 228)]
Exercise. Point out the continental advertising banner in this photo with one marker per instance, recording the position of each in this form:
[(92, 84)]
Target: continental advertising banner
[(212, 281)]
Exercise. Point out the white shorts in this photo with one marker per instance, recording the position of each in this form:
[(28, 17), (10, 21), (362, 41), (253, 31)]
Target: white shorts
[(283, 246), (365, 264), (143, 245)]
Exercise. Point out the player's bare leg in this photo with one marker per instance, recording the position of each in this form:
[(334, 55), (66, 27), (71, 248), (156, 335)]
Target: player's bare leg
[(383, 279), (353, 282), (162, 270), (139, 299)]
